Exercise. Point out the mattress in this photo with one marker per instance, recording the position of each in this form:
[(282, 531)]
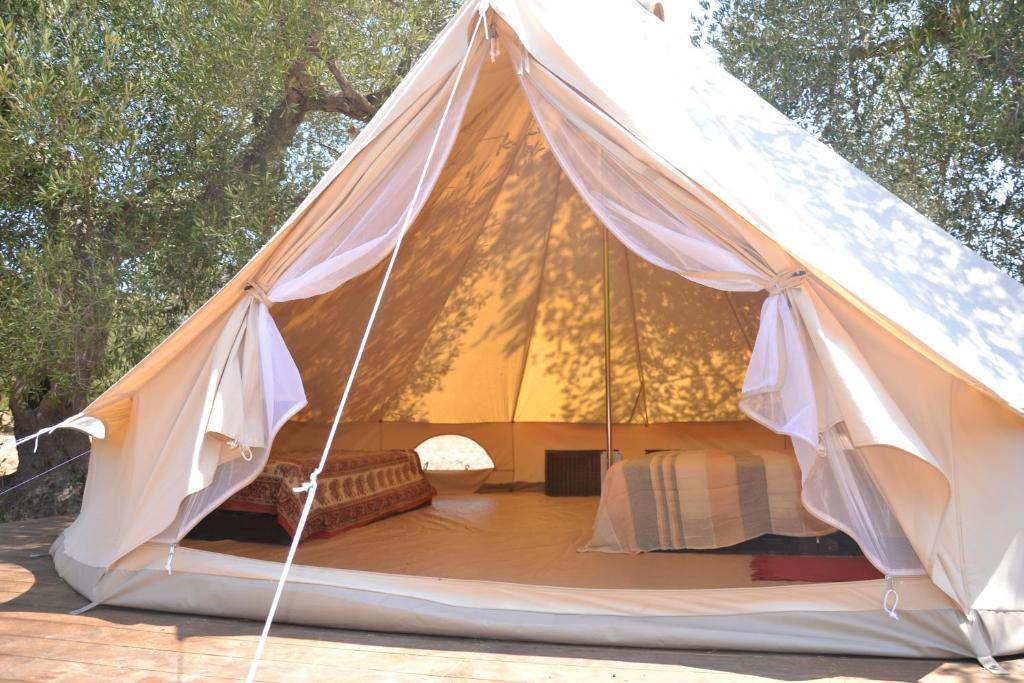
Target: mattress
[(354, 489), (674, 500)]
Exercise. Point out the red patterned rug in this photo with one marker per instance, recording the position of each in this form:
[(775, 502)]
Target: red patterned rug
[(811, 568)]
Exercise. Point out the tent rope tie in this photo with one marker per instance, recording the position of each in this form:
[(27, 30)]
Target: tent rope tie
[(243, 450), (483, 8), (45, 431), (311, 493), (787, 279), (43, 474), (170, 558), (310, 484), (259, 293), (490, 35), (893, 595)]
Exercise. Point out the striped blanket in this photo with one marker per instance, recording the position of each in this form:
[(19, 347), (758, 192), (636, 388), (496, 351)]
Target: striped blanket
[(700, 499)]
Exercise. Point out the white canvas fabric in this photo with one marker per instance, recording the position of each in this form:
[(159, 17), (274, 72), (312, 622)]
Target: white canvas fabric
[(892, 356), (779, 390)]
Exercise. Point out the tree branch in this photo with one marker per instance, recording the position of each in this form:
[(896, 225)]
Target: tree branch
[(284, 118), (302, 96), (359, 107), (865, 47)]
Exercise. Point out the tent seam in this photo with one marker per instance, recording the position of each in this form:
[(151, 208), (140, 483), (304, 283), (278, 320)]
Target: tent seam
[(955, 495), (636, 338)]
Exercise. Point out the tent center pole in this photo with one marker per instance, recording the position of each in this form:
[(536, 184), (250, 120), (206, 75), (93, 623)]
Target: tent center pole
[(607, 296)]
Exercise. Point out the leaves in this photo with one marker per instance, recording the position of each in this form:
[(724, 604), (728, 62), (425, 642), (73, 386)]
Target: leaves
[(127, 134)]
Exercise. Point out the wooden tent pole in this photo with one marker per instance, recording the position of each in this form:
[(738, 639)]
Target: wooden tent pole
[(607, 355)]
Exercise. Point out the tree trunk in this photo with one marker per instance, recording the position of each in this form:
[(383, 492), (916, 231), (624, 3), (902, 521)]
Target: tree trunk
[(60, 491)]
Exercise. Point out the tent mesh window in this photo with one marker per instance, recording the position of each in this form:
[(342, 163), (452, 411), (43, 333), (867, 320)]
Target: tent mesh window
[(572, 473)]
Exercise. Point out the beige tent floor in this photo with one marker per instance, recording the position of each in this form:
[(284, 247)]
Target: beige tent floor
[(521, 537), (42, 640)]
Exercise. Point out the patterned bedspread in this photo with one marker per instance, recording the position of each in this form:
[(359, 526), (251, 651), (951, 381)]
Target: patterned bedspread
[(700, 499), (355, 488)]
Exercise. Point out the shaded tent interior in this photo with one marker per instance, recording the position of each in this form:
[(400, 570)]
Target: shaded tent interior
[(493, 315), (492, 326)]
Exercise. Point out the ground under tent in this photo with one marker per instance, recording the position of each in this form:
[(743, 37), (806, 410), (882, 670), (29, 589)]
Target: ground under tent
[(764, 297)]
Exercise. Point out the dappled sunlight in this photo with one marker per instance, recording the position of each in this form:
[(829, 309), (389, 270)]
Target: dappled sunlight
[(833, 217), (429, 267), (484, 327), (494, 312), (698, 343)]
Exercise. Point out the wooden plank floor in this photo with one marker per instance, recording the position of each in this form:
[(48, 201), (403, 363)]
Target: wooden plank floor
[(40, 641)]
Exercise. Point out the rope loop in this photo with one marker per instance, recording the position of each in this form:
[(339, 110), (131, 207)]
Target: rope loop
[(170, 558), (243, 450), (45, 431), (891, 595)]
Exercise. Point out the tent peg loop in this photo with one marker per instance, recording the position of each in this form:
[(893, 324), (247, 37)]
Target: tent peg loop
[(992, 666), (893, 595), (244, 450), (170, 557), (84, 608)]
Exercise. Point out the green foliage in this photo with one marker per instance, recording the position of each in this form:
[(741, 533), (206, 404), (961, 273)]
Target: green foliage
[(926, 96), (145, 157)]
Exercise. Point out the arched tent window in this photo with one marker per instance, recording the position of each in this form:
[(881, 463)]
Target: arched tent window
[(455, 464), (453, 452)]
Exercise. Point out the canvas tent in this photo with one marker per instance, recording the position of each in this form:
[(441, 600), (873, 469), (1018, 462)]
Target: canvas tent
[(767, 279)]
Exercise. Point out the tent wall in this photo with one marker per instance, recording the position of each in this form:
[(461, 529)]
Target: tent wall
[(968, 438), (517, 449), (934, 293), (156, 452), (987, 490), (493, 312)]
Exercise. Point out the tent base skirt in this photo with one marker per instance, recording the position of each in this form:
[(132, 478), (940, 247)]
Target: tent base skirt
[(841, 618)]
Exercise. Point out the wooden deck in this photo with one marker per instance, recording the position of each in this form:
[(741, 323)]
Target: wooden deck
[(40, 641)]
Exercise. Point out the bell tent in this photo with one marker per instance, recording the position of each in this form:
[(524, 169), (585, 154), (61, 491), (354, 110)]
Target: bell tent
[(567, 221)]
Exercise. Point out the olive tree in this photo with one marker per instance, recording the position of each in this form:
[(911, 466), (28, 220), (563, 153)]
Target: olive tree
[(147, 149)]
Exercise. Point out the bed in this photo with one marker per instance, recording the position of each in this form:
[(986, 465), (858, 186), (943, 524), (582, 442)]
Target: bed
[(354, 489), (674, 500)]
